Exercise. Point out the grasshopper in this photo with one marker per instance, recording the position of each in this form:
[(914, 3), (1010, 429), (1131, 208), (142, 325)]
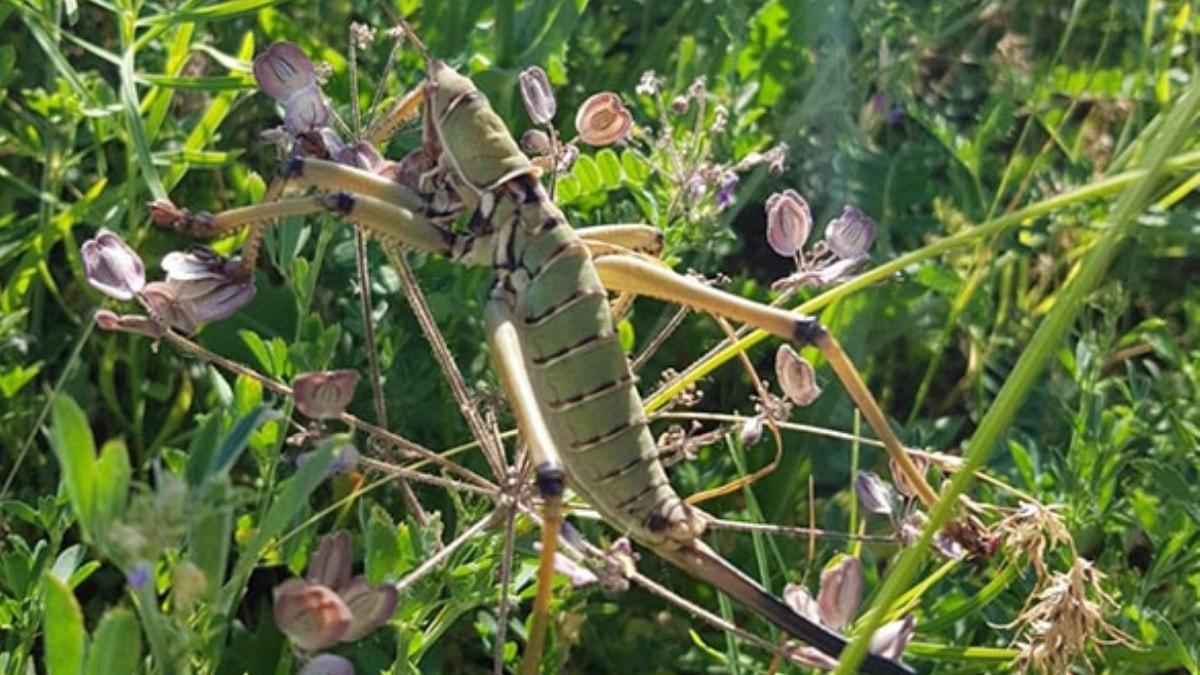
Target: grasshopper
[(549, 322)]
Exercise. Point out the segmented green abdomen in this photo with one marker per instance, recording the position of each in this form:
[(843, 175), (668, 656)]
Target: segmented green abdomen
[(587, 392)]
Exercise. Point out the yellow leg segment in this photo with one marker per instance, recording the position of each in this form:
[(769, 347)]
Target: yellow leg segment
[(632, 274), (506, 349)]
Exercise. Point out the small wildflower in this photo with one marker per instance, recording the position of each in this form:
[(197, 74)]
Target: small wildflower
[(370, 606), (788, 222), (751, 430), (796, 376), (361, 35), (696, 88), (201, 286), (139, 576), (112, 267), (679, 105), (603, 119), (648, 85), (720, 119), (324, 394), (776, 157), (725, 196), (850, 235), (891, 638), (537, 94)]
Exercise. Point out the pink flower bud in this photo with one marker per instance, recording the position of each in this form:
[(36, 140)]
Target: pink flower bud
[(841, 592), (112, 267), (851, 235), (788, 222), (370, 607), (325, 394), (330, 564), (603, 119), (796, 376), (312, 616), (537, 94)]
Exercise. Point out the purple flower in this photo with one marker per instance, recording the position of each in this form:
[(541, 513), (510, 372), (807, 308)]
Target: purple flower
[(724, 198), (841, 592), (112, 266), (287, 75), (138, 576), (201, 286), (537, 94), (327, 664), (874, 494)]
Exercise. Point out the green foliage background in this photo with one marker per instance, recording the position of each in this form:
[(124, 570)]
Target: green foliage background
[(932, 117)]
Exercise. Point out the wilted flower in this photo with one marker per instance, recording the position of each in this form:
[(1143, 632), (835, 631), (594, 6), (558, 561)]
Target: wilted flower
[(324, 394), (603, 119), (201, 286), (112, 266), (796, 376), (875, 495), (841, 591), (327, 664), (838, 600), (850, 236), (537, 94), (788, 222), (287, 75), (328, 606)]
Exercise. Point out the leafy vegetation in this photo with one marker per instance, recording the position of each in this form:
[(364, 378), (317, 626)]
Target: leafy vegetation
[(1029, 316)]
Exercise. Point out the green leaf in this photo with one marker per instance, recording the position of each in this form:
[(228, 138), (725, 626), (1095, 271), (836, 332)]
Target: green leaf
[(626, 336), (588, 174), (212, 533), (235, 441), (220, 10), (15, 378), (63, 628), (567, 190), (116, 645), (112, 482), (292, 500), (137, 132), (610, 168), (202, 448), (636, 168), (75, 450), (383, 547)]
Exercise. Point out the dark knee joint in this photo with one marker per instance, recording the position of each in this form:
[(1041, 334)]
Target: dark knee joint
[(292, 168), (551, 481), (339, 202), (808, 330)]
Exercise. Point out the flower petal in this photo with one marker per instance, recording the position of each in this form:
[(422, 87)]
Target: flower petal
[(370, 606), (330, 564), (789, 221), (603, 119), (841, 592), (324, 394), (327, 664), (537, 94), (312, 616), (796, 376), (850, 235), (284, 69), (112, 267)]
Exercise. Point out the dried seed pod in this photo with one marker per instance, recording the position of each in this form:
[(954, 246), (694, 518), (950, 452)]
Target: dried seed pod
[(796, 376), (789, 221), (851, 235), (603, 119), (535, 142), (312, 616), (841, 592), (874, 494), (324, 394), (537, 94)]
